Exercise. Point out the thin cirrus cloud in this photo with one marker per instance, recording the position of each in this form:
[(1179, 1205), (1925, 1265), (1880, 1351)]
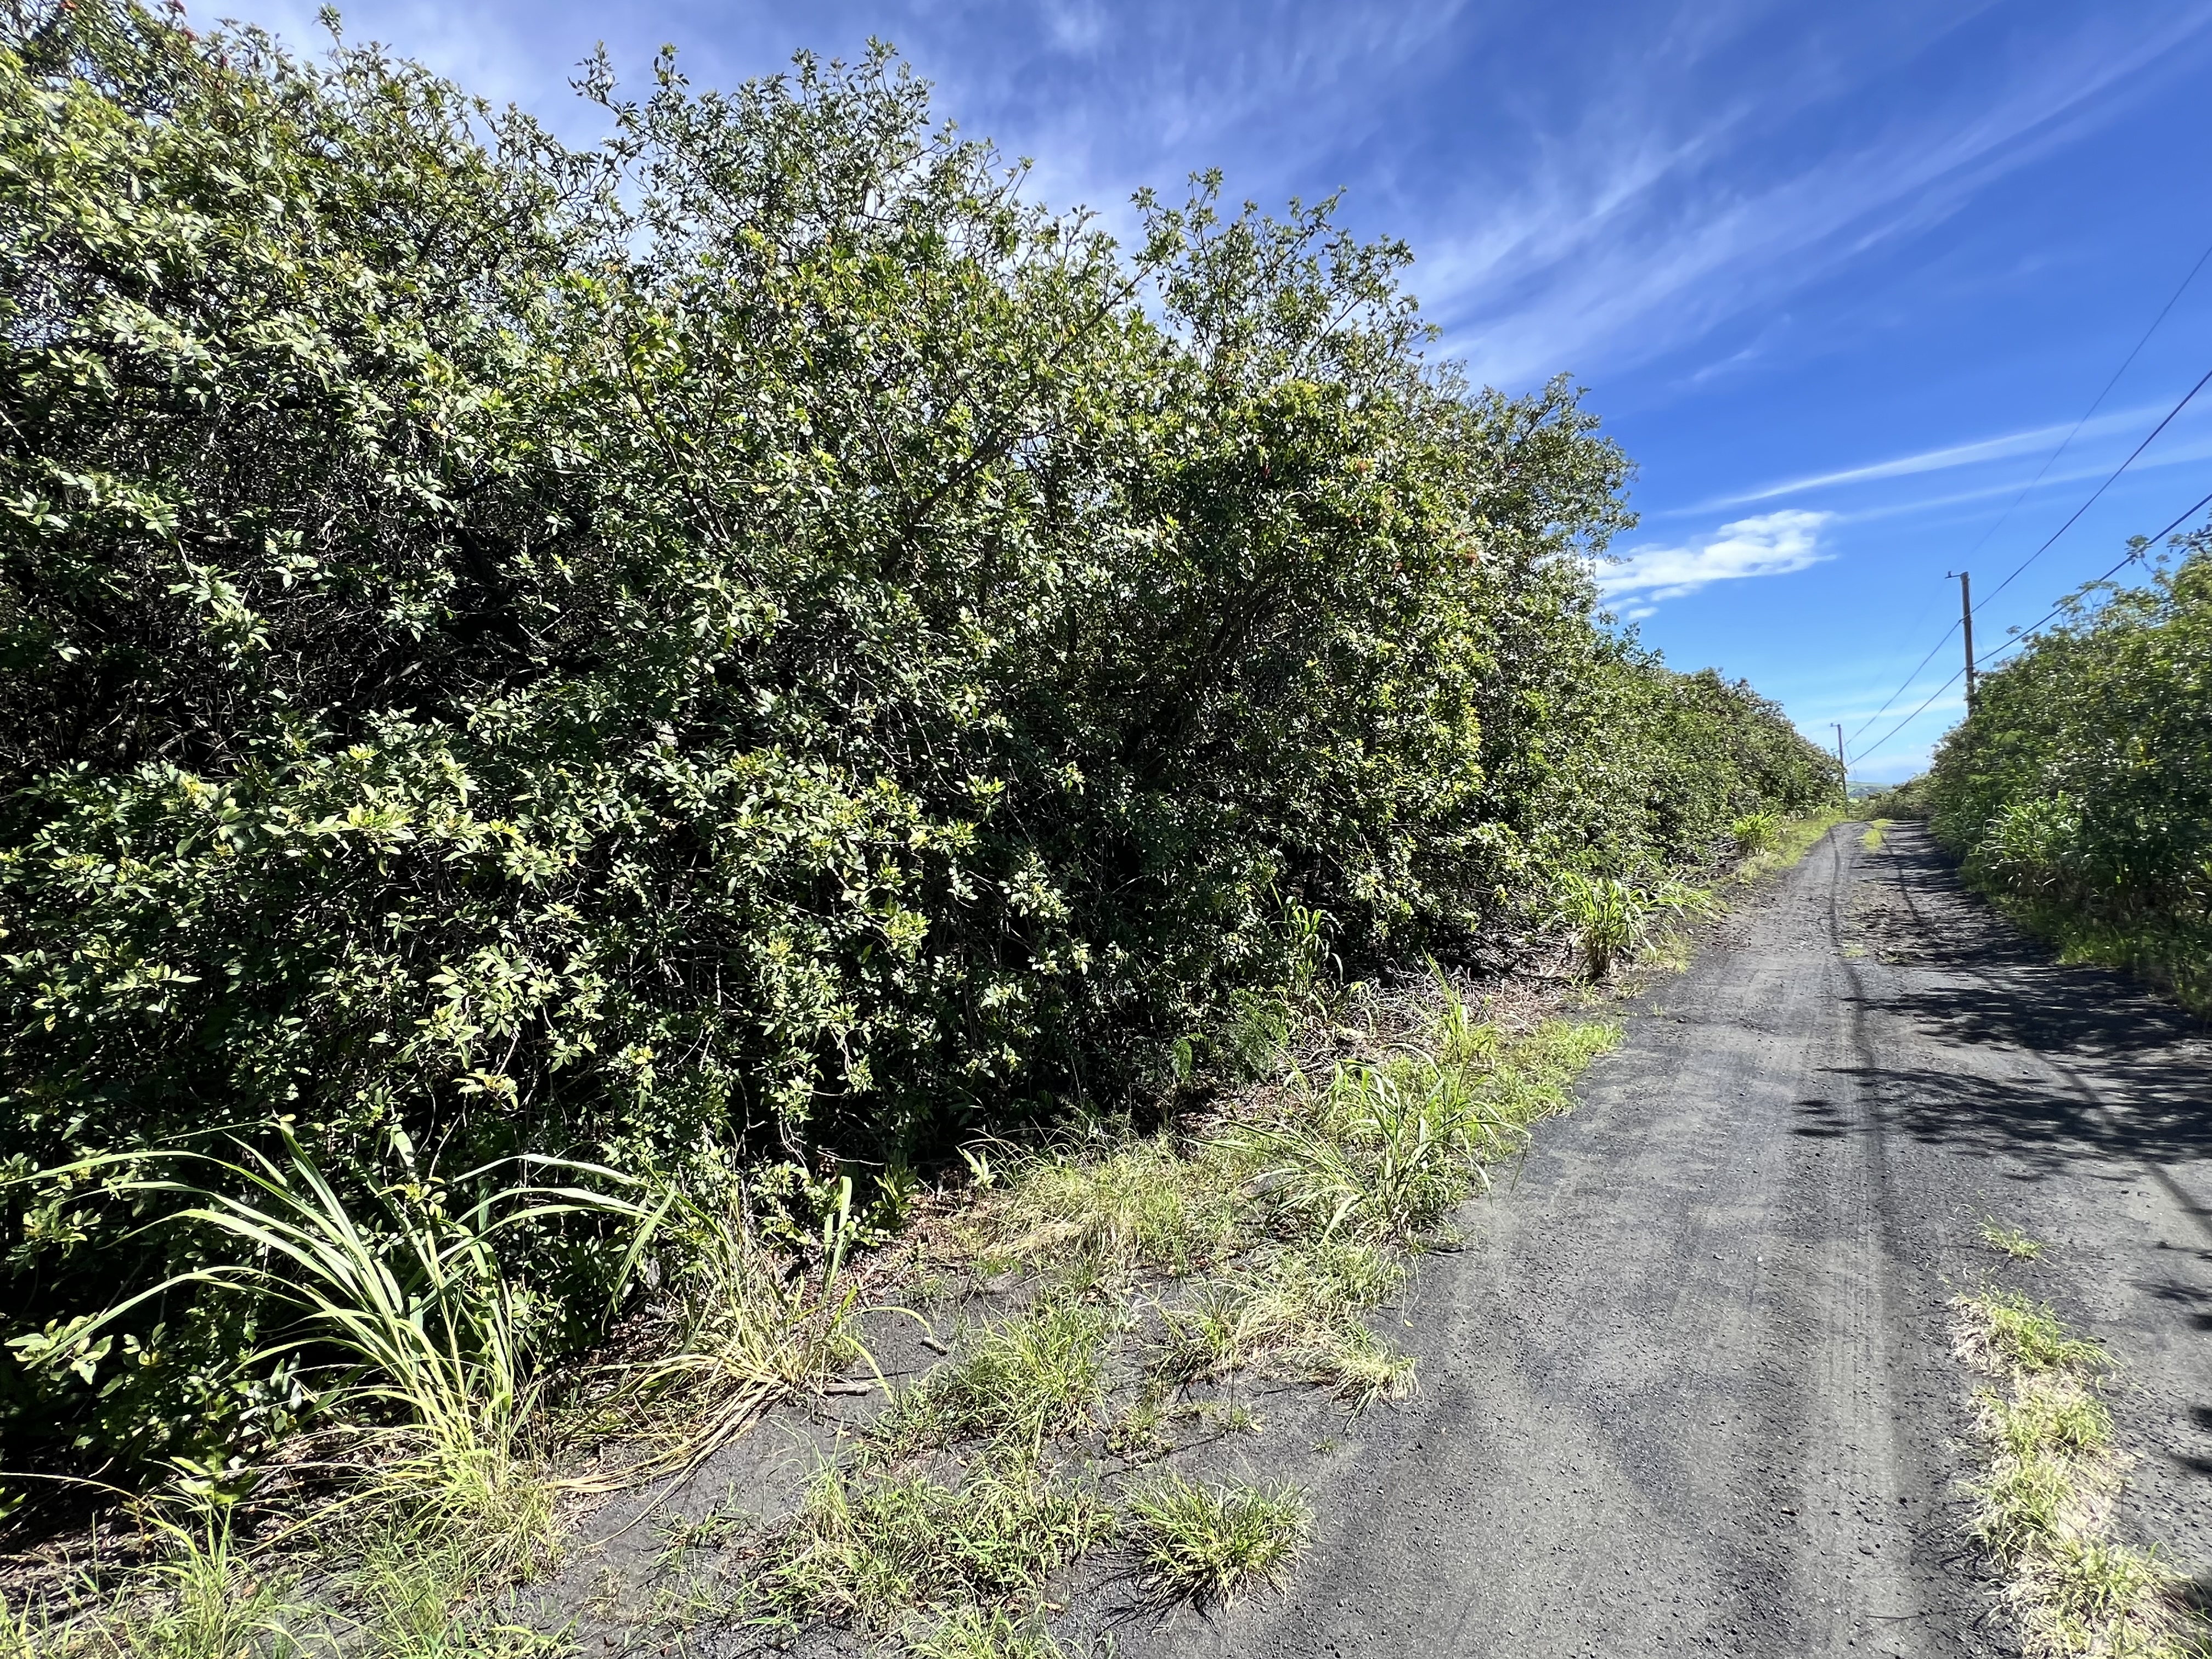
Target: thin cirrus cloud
[(1942, 460), (1633, 240), (1555, 229), (1769, 544)]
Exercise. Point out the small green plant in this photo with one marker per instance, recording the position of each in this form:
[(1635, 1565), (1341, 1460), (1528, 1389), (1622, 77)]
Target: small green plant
[(870, 1546), (2010, 1241), (203, 1598), (745, 1325), (978, 1633), (395, 1309), (1610, 919), (1147, 1204), (1300, 1311), (2044, 1502), (1025, 1378), (1383, 1150), (1212, 1543), (2025, 1335), (1755, 833), (2098, 1596)]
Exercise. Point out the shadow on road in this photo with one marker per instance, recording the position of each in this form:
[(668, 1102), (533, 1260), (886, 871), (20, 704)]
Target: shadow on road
[(2060, 1061)]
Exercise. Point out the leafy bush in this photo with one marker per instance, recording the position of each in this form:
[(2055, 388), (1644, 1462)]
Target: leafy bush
[(1755, 833), (2080, 787), (752, 643)]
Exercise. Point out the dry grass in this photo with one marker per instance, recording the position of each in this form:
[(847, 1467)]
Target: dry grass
[(2044, 1504)]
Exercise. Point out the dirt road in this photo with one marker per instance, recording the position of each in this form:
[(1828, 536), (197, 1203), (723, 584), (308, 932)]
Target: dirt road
[(1688, 1388)]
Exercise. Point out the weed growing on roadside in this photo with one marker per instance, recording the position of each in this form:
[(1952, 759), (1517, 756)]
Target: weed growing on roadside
[(1610, 919), (2010, 1241), (974, 1633), (1025, 1378), (1755, 833), (1298, 1311), (870, 1547), (2043, 1505), (1149, 1204), (1793, 840), (1383, 1150), (203, 1599), (1211, 1543), (749, 1326), (2014, 1332)]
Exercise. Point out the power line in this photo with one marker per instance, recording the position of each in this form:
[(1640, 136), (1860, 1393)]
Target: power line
[(2101, 487), (2098, 403), (2133, 554), (1909, 678)]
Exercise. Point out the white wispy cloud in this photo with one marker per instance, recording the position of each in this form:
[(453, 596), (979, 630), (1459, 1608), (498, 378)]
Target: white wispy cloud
[(1942, 460), (1649, 226), (1587, 206), (1769, 544)]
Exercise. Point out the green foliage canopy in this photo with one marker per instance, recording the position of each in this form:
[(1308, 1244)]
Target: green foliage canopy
[(752, 636), (2081, 782)]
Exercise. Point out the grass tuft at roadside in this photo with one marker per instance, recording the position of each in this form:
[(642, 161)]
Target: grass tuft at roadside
[(2043, 1503)]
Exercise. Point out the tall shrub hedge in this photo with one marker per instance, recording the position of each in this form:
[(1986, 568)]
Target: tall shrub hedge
[(752, 641), (2080, 785)]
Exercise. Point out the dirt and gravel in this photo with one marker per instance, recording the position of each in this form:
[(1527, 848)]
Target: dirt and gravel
[(1687, 1386)]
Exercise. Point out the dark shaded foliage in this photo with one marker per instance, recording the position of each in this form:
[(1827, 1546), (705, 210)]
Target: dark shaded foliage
[(752, 641)]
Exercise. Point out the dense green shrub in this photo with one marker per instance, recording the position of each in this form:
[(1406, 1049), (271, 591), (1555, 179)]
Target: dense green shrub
[(753, 638), (2081, 785)]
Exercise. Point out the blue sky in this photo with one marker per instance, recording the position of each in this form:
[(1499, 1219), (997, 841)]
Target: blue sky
[(1841, 277)]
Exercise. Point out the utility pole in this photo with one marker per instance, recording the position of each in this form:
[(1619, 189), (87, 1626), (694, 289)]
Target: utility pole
[(1967, 622), (1843, 766)]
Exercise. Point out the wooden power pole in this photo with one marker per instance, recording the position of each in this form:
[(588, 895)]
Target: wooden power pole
[(1843, 766), (1967, 622)]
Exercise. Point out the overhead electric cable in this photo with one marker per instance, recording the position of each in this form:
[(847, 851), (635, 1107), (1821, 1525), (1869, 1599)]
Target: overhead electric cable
[(2133, 554), (2101, 488), (2074, 432), (1909, 678)]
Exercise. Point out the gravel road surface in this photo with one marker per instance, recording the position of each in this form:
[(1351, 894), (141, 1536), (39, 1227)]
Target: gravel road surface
[(1688, 1388)]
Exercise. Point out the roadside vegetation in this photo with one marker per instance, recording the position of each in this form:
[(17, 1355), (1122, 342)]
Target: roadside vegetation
[(2044, 1504), (588, 734), (2078, 793)]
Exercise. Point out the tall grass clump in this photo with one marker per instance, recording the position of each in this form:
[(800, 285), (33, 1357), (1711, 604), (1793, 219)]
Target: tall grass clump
[(1213, 1543), (2078, 791), (755, 644), (2043, 1503)]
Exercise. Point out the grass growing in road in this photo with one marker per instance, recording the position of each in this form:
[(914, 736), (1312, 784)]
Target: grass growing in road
[(871, 1547), (1150, 1205), (2010, 1241), (1791, 840), (1265, 1241), (1300, 1311), (1212, 1543), (1023, 1379), (2043, 1504), (1872, 840), (974, 1633)]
